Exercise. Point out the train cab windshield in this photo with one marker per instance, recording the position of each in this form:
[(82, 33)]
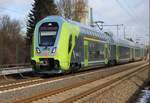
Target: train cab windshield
[(48, 33)]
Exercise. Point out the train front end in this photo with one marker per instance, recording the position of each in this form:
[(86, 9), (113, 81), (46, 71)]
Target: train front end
[(48, 50)]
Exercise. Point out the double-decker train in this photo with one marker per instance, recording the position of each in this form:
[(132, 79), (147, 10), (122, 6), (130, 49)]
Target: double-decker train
[(60, 45)]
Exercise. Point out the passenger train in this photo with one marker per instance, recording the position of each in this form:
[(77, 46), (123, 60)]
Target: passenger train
[(60, 45)]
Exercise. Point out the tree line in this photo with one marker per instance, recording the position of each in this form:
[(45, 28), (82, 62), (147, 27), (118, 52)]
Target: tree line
[(12, 42), (14, 46), (71, 9)]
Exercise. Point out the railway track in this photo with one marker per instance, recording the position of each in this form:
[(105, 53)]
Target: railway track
[(106, 84), (85, 86), (19, 83), (30, 81), (35, 80)]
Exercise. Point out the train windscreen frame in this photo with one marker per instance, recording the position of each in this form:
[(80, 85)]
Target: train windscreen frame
[(47, 33)]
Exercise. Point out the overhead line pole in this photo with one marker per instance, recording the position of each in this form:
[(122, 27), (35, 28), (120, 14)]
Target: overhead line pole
[(117, 25)]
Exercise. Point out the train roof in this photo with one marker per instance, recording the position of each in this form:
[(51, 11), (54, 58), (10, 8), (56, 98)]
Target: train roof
[(127, 43), (124, 42), (91, 31), (84, 29)]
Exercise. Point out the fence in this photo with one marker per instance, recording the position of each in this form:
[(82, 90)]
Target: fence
[(15, 68)]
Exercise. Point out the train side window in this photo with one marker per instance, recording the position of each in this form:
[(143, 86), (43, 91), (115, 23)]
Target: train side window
[(70, 43)]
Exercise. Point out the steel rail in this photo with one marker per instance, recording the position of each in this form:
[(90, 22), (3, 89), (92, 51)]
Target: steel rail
[(21, 83), (99, 87), (54, 92)]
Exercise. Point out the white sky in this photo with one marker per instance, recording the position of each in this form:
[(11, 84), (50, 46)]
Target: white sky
[(134, 14)]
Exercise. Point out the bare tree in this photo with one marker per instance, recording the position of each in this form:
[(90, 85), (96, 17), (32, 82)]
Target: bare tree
[(80, 10), (11, 41), (65, 8), (72, 9)]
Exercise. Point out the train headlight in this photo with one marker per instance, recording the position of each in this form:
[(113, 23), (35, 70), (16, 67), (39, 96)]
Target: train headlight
[(38, 50), (53, 50)]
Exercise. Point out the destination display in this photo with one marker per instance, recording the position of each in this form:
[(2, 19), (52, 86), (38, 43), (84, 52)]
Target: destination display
[(49, 27)]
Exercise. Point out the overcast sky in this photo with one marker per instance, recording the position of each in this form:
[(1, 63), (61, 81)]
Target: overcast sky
[(134, 14)]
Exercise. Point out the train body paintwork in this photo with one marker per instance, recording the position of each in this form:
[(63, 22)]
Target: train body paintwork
[(60, 45)]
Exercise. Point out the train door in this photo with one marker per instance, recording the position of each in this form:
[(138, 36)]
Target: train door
[(117, 53), (106, 53), (85, 53), (112, 52), (131, 54)]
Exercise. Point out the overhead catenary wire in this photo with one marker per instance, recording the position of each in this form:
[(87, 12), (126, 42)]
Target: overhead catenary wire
[(130, 12), (129, 7), (127, 11), (134, 14)]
